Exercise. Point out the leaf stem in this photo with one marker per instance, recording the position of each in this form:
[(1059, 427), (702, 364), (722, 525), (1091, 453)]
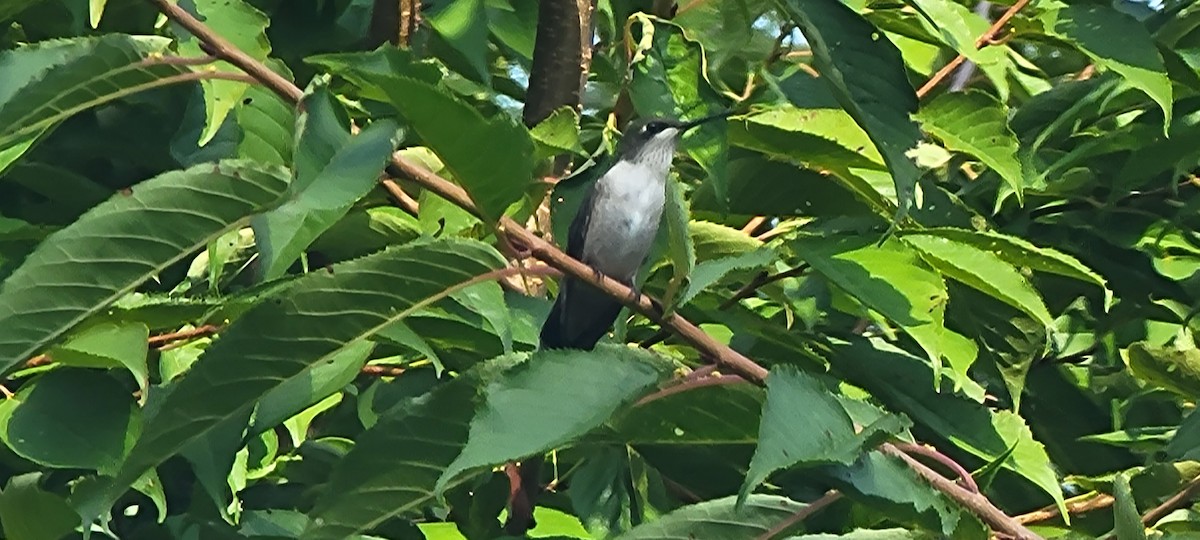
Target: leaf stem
[(964, 476)]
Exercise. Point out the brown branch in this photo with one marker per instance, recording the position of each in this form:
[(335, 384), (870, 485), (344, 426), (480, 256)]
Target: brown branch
[(754, 224), (179, 61), (382, 371), (964, 477), (223, 49), (1175, 502), (809, 509), (761, 280), (975, 502), (402, 198), (721, 354), (158, 340), (1076, 505), (200, 331), (987, 38)]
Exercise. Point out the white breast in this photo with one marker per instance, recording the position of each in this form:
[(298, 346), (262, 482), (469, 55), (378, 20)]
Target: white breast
[(628, 208)]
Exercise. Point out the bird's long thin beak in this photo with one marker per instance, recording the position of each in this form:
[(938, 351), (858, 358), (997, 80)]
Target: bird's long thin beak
[(689, 125)]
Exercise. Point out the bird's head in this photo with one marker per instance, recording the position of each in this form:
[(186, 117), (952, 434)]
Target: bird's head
[(655, 138)]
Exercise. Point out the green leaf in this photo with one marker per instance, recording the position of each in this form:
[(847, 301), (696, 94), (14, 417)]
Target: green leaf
[(108, 345), (866, 74), (1092, 28), (1023, 254), (267, 122), (214, 460), (246, 28), (600, 492), (888, 486), (54, 423), (30, 513), (669, 80), (490, 157), (680, 249), (984, 271), (903, 383), (892, 280), (47, 82), (463, 24), (703, 438), (798, 406), (301, 392), (587, 387), (9, 8), (341, 172), (708, 273), (394, 466), (977, 124), (959, 28), (362, 68), (96, 11), (1173, 368), (290, 335), (826, 141), (719, 518), (1127, 520), (128, 239), (557, 134)]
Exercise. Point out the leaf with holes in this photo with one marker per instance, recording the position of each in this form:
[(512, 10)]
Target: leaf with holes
[(246, 28)]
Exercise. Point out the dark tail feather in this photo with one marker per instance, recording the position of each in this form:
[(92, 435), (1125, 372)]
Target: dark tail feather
[(580, 317)]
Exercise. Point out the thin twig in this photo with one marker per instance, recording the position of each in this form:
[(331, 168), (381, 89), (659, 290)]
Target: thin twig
[(402, 198), (168, 60), (1076, 505), (382, 371), (760, 281), (964, 477), (690, 384), (1175, 502), (809, 509), (721, 354), (984, 40), (200, 331), (754, 224)]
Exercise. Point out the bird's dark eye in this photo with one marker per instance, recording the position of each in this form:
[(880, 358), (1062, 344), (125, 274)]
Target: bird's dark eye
[(654, 127)]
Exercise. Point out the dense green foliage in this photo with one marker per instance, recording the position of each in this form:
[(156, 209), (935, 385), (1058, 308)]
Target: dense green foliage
[(215, 322)]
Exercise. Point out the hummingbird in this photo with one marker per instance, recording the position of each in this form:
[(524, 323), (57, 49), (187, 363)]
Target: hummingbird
[(614, 230)]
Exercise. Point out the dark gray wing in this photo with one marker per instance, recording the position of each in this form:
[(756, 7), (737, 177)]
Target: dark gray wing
[(581, 314), (577, 234)]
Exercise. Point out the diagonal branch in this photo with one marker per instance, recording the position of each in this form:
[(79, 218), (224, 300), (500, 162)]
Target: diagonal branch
[(983, 41), (721, 354)]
